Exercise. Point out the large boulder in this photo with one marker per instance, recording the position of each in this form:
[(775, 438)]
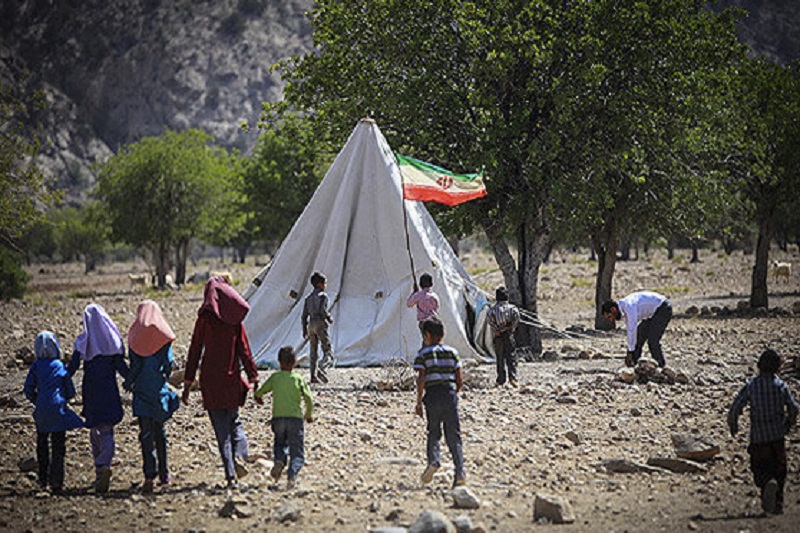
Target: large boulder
[(553, 508), (430, 521), (688, 446)]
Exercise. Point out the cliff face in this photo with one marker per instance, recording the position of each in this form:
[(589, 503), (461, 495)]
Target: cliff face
[(114, 71)]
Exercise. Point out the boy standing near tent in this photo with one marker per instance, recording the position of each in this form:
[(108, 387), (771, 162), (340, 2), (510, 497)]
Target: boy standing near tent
[(425, 299), (289, 390), (773, 411), (503, 318), (438, 383), (315, 321)]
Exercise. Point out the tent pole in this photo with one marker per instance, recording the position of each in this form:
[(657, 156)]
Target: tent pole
[(405, 223)]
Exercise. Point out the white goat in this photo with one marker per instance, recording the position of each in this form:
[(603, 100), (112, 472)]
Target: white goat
[(781, 270)]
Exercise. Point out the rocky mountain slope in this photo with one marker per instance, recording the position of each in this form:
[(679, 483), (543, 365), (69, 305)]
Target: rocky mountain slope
[(114, 71)]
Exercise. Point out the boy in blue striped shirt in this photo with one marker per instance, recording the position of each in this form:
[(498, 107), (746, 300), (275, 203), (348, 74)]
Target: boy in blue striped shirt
[(773, 411), (438, 384)]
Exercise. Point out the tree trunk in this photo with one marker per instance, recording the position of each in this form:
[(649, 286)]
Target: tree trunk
[(161, 259), (181, 254), (454, 244), (521, 282), (759, 296), (695, 252), (606, 242)]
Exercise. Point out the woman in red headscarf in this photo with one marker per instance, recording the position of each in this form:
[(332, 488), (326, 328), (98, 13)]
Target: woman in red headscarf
[(221, 350)]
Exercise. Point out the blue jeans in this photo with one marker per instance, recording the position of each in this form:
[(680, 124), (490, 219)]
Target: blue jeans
[(289, 435), (153, 439), (441, 409), (231, 439)]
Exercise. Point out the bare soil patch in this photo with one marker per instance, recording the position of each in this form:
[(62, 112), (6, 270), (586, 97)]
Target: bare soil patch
[(365, 451)]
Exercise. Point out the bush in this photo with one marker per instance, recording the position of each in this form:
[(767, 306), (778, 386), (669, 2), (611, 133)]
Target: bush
[(13, 279)]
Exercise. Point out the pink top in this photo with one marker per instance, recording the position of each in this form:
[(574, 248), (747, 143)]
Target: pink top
[(149, 332), (427, 303)]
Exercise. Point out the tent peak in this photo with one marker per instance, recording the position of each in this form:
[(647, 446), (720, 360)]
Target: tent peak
[(366, 120)]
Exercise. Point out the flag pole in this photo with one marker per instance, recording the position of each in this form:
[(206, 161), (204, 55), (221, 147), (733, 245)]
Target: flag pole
[(405, 220)]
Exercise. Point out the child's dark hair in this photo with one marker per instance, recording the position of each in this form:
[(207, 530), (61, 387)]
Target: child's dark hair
[(501, 294), (608, 305), (769, 362), (286, 356), (434, 327), (425, 281), (317, 278)]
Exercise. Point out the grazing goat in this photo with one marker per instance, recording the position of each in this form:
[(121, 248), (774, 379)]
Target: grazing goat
[(781, 270), (138, 280)]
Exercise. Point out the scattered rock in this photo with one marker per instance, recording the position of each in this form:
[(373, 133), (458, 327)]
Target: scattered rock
[(463, 523), (567, 399), (28, 464), (645, 369), (680, 466), (625, 466), (430, 521), (25, 354), (465, 498), (626, 375), (553, 508), (573, 437), (550, 355), (692, 310), (688, 446), (235, 509), (287, 512), (390, 529), (9, 402), (796, 307)]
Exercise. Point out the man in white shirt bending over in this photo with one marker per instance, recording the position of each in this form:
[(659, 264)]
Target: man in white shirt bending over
[(646, 316)]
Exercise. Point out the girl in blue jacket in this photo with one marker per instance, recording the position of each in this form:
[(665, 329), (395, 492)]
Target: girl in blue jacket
[(150, 351), (49, 386)]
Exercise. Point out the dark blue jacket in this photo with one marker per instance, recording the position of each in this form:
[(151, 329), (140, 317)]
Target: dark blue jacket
[(101, 401), (49, 386)]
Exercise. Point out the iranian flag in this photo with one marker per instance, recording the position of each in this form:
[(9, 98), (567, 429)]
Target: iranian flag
[(425, 182)]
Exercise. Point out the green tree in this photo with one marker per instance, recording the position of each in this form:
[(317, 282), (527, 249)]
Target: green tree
[(80, 233), (281, 175), (160, 192), (512, 86), (763, 169)]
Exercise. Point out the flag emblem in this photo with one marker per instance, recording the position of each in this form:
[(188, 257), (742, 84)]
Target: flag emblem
[(426, 182)]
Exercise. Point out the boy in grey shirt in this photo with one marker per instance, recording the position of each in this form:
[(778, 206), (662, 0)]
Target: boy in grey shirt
[(315, 327)]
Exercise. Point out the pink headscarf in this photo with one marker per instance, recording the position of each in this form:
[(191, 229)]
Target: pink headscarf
[(100, 335), (150, 331), (222, 301)]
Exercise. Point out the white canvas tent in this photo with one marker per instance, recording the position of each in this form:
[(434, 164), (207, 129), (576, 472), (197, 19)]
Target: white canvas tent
[(352, 230)]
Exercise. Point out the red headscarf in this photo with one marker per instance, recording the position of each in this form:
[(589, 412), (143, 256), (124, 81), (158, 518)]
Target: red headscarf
[(149, 332), (222, 301)]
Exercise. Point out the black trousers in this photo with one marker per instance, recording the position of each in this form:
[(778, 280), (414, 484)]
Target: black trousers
[(651, 331), (768, 461), (51, 461), (504, 347)]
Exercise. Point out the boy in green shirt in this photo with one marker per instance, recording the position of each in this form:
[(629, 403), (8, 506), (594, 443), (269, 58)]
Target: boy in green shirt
[(288, 390)]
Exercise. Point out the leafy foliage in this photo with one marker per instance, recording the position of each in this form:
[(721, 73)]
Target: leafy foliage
[(162, 191)]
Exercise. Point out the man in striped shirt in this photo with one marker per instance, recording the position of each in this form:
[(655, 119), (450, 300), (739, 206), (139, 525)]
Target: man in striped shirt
[(503, 318), (773, 411), (438, 384)]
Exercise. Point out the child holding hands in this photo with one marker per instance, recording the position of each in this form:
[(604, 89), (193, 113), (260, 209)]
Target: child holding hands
[(49, 386), (288, 389)]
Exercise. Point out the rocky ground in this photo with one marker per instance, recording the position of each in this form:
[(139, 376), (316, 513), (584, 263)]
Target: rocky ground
[(569, 429)]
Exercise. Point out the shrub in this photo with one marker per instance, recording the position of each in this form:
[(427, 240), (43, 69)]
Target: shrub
[(13, 279)]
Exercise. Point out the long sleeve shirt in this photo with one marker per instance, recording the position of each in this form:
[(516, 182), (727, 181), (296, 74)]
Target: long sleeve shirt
[(502, 317), (316, 306), (636, 307), (288, 390), (773, 410), (427, 303)]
